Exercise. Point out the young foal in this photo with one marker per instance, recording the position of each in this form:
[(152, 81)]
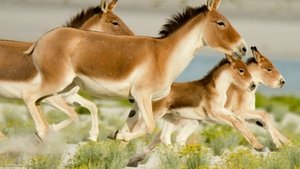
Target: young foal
[(18, 72), (204, 100), (127, 66), (241, 102)]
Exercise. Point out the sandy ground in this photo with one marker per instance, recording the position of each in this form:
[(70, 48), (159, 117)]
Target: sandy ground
[(272, 25)]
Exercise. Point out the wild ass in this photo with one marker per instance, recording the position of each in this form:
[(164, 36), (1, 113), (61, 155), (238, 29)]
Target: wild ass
[(239, 101), (18, 72), (136, 67), (204, 100)]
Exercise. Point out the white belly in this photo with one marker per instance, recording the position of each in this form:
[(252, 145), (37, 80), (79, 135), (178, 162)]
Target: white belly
[(13, 90), (105, 88)]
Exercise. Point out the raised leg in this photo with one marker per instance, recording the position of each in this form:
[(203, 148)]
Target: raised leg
[(58, 103), (265, 120), (77, 99), (188, 127), (238, 123)]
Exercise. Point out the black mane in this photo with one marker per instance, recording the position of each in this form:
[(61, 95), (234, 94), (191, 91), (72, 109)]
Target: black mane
[(209, 76), (251, 60), (180, 19), (78, 20)]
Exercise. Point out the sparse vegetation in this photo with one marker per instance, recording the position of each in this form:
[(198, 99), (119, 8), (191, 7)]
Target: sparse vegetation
[(220, 142)]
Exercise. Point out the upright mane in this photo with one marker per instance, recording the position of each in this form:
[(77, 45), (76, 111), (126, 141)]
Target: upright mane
[(178, 20), (209, 76), (78, 20), (251, 60)]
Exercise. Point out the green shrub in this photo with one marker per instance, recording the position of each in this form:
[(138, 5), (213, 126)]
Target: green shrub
[(221, 137), (49, 161), (108, 154), (242, 159), (194, 156)]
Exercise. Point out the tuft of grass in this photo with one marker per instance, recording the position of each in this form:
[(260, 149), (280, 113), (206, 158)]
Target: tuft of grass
[(50, 161), (242, 158), (108, 154), (195, 156), (169, 158), (221, 137)]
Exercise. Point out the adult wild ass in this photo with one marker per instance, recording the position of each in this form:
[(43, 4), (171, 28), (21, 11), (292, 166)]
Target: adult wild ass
[(18, 72), (127, 66), (204, 100)]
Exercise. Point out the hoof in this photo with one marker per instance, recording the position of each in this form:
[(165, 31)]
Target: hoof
[(263, 149), (134, 162), (40, 140), (113, 135)]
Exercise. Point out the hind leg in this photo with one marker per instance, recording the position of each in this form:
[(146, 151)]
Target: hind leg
[(58, 103), (33, 96)]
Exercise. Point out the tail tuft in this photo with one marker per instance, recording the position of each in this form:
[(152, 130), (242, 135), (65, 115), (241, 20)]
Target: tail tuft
[(30, 50)]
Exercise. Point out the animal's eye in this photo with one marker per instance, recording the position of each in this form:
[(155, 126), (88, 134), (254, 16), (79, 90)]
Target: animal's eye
[(241, 71), (221, 23), (115, 23), (269, 69)]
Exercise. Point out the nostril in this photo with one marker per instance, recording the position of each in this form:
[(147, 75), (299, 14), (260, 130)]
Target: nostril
[(244, 49), (131, 114), (253, 85), (282, 82)]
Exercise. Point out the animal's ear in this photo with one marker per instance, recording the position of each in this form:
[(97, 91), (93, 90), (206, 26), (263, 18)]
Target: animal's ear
[(112, 5), (229, 58), (104, 6), (213, 4), (258, 57)]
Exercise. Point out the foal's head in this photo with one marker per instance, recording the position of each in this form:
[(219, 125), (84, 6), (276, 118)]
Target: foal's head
[(220, 34), (102, 19), (264, 71), (240, 74)]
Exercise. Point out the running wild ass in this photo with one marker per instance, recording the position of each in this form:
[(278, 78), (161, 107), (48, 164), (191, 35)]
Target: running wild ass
[(18, 73), (135, 67), (241, 102)]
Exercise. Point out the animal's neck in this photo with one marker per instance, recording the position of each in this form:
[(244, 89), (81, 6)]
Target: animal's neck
[(186, 42), (92, 25), (221, 82), (253, 70)]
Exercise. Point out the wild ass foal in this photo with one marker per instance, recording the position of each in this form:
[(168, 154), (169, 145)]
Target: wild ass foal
[(205, 99), (18, 72), (127, 66), (239, 101)]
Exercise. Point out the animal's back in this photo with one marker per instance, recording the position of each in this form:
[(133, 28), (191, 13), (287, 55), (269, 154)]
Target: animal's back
[(14, 66)]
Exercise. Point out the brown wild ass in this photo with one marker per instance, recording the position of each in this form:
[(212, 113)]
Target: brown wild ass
[(136, 67), (18, 72), (239, 101)]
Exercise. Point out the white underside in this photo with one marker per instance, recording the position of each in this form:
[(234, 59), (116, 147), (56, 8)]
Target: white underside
[(106, 88), (13, 90)]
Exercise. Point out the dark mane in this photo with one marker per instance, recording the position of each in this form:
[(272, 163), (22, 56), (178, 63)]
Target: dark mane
[(180, 19), (78, 20), (251, 60), (209, 76)]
